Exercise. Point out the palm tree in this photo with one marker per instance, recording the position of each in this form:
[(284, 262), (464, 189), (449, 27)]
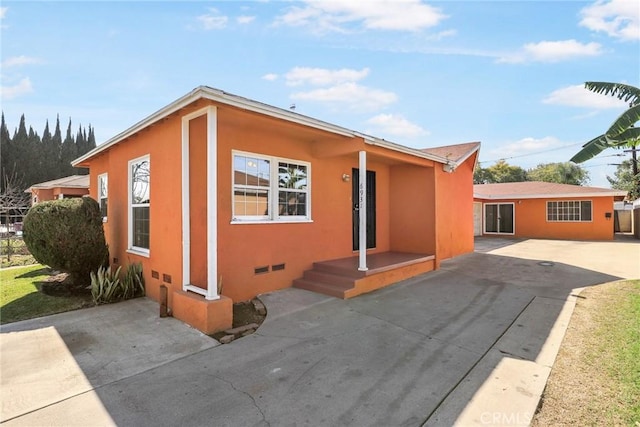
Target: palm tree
[(621, 133)]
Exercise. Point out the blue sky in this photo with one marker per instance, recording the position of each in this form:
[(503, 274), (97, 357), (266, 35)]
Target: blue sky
[(507, 73)]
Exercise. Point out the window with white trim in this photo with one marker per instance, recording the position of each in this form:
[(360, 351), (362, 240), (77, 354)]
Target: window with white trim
[(269, 188), (103, 194), (139, 202), (569, 211)]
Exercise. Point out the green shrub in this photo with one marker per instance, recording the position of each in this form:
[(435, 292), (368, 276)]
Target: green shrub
[(67, 235), (107, 287)]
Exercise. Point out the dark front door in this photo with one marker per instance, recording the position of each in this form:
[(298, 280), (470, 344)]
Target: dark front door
[(371, 208)]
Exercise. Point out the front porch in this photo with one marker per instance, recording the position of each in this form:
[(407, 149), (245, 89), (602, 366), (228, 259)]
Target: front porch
[(342, 279)]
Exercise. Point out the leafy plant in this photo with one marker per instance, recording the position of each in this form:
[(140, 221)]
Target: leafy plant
[(106, 285), (133, 282)]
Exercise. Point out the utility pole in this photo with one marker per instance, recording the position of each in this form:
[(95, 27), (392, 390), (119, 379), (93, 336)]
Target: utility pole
[(634, 166)]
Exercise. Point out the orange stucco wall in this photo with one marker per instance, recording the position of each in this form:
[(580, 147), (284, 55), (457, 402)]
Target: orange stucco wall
[(531, 220), (162, 144), (245, 246), (407, 202), (454, 210), (198, 201), (413, 204), (45, 194)]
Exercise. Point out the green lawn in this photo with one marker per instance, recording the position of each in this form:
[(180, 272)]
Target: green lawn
[(595, 379), (14, 252), (21, 300), (624, 329)]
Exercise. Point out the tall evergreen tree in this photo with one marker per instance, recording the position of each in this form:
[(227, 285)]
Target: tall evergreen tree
[(34, 173), (7, 153), (81, 144), (57, 142), (21, 144), (69, 152), (29, 159), (91, 140), (50, 154)]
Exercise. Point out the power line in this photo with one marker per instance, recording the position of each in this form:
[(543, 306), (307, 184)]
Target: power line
[(532, 154)]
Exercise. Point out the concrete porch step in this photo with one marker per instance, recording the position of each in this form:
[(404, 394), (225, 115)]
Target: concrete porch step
[(321, 288), (341, 278), (339, 281)]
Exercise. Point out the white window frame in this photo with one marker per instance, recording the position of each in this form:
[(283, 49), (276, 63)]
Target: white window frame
[(272, 192), (131, 248), (103, 177), (580, 202)]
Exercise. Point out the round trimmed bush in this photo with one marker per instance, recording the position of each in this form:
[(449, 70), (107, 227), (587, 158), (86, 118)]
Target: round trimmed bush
[(67, 235)]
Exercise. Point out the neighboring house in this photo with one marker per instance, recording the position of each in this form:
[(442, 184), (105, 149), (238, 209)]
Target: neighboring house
[(61, 188), (623, 216), (544, 210), (222, 198)]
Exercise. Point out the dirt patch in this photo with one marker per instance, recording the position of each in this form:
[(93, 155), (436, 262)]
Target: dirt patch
[(244, 314), (58, 285), (582, 389)]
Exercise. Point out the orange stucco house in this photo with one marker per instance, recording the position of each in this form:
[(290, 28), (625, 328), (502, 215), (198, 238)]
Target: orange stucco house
[(222, 198), (544, 210), (61, 188)]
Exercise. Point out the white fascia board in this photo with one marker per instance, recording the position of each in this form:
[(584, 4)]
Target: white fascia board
[(269, 110), (547, 196), (223, 98), (402, 149), (462, 159)]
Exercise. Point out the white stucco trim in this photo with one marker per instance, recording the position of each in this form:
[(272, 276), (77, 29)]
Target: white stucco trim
[(211, 293)]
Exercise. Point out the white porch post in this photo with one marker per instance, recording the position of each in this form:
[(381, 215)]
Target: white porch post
[(212, 204), (362, 204)]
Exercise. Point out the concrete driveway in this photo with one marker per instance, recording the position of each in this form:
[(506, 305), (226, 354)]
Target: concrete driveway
[(472, 343)]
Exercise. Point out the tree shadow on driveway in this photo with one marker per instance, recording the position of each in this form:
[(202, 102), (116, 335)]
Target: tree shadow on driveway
[(413, 353)]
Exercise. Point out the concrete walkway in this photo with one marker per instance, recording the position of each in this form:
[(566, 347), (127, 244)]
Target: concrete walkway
[(472, 343)]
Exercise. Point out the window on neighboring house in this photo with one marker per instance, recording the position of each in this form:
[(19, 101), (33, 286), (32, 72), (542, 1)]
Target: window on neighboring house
[(103, 194), (139, 175), (270, 189), (569, 211)]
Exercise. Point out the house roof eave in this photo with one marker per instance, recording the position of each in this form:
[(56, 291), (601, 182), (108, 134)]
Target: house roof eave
[(205, 92), (548, 195), (402, 149)]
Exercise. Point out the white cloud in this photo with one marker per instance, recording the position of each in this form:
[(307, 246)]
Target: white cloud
[(245, 19), (3, 14), (396, 125), (270, 77), (526, 146), (331, 15), (17, 61), (552, 51), (443, 34), (617, 18), (578, 96), (23, 87), (212, 20), (323, 77), (351, 95)]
